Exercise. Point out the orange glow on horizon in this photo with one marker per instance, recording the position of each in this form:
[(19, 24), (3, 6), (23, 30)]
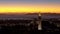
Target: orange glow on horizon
[(29, 9)]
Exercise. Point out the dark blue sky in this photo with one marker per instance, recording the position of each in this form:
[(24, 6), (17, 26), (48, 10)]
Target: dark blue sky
[(33, 1)]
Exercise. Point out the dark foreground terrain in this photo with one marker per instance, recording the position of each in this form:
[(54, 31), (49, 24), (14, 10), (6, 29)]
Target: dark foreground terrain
[(26, 27), (51, 26), (18, 27)]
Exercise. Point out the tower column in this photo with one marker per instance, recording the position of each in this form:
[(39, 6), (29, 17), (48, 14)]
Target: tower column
[(39, 22)]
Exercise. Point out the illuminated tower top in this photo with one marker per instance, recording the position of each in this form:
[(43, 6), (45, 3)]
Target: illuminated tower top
[(39, 14)]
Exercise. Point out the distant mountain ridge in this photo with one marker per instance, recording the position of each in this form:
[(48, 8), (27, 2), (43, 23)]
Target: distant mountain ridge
[(25, 13), (50, 15), (30, 15)]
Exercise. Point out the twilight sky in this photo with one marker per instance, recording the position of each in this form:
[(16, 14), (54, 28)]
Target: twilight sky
[(18, 6)]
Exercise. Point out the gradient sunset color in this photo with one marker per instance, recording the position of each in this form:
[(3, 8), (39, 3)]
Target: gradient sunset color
[(29, 6)]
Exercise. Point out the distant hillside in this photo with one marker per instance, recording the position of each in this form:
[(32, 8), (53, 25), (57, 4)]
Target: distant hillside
[(50, 15), (31, 14), (12, 13)]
